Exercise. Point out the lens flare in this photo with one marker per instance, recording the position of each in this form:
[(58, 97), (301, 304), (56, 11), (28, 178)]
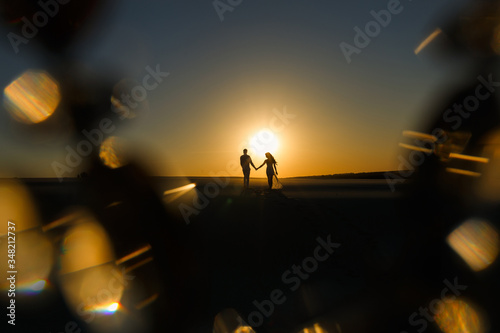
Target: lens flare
[(457, 316), (147, 301), (428, 40), (477, 159), (477, 242), (133, 254), (179, 195), (32, 97), (488, 186), (112, 308), (174, 194), (38, 286), (463, 172)]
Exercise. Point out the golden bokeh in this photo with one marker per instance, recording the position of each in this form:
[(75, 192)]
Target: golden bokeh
[(121, 110), (16, 205), (85, 245), (112, 152), (457, 316), (90, 281), (33, 250), (94, 290), (123, 104), (33, 260), (32, 97), (476, 241)]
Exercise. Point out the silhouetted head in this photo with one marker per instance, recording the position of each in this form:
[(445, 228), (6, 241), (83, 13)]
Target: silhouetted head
[(270, 157), (245, 151)]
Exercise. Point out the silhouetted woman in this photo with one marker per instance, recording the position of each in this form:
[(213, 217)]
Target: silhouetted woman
[(271, 168)]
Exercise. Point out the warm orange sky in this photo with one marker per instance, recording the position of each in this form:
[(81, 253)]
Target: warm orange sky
[(229, 79)]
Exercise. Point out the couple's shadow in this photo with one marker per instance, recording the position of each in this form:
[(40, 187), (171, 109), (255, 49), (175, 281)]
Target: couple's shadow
[(250, 192), (255, 192)]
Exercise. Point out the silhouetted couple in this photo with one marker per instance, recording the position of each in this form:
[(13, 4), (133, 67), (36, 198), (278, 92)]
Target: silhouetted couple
[(246, 161)]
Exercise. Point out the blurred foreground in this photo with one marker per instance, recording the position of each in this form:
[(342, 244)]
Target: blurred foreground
[(319, 256)]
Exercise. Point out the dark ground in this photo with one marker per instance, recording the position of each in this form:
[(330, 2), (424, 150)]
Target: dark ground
[(239, 244)]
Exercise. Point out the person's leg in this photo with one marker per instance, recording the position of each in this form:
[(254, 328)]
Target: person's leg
[(270, 181), (246, 178)]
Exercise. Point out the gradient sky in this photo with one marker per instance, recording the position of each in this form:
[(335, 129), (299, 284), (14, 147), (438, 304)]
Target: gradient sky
[(227, 77)]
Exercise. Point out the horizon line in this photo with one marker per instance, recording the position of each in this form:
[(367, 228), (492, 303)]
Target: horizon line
[(206, 176)]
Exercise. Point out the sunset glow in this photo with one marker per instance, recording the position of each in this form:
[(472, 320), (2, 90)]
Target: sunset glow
[(264, 141)]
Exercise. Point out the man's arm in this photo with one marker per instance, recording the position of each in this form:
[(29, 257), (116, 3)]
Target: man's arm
[(251, 162)]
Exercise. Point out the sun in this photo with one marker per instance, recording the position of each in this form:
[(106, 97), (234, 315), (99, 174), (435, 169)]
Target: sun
[(264, 141)]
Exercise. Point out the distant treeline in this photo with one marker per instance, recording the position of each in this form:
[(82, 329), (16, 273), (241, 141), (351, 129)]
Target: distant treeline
[(352, 175)]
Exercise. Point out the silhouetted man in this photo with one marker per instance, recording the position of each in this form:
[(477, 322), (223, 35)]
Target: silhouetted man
[(245, 162)]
